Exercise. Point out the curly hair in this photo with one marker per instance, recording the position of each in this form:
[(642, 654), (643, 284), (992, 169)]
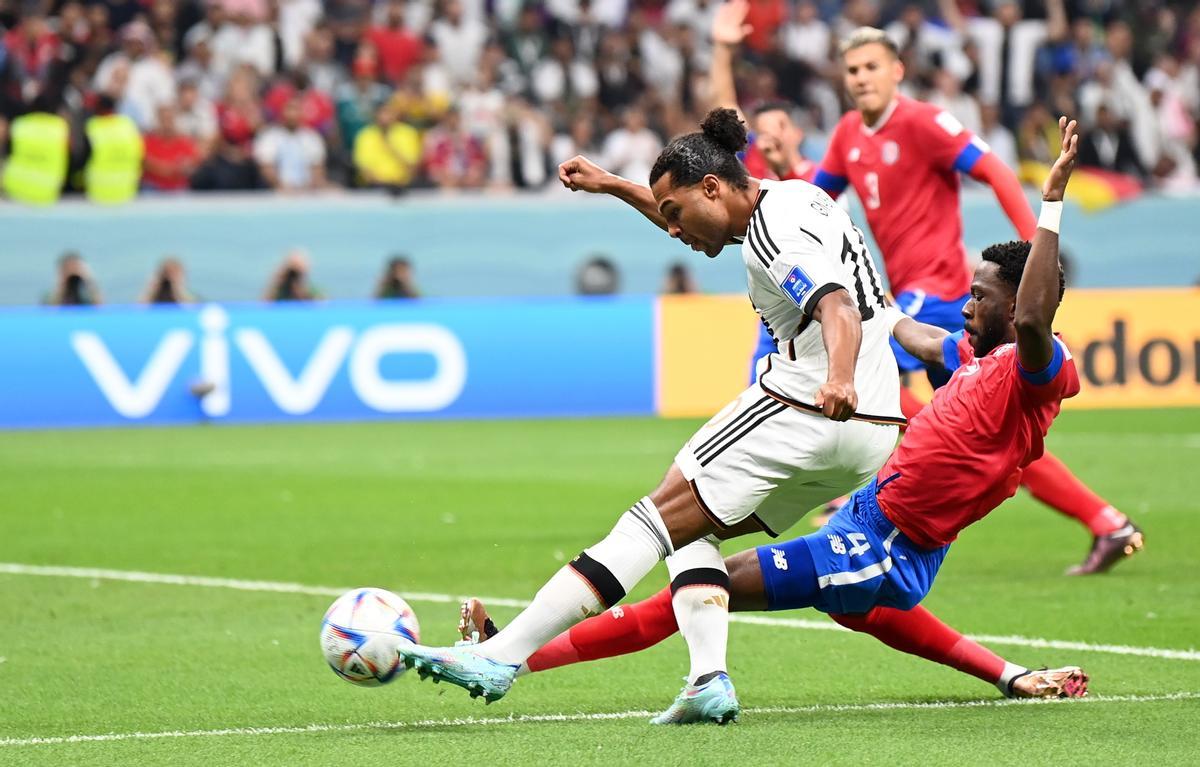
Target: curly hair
[(713, 149), (1010, 257)]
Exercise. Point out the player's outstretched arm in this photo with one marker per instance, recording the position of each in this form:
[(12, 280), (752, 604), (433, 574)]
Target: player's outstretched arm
[(729, 29), (925, 342), (1037, 295), (841, 331), (579, 174)]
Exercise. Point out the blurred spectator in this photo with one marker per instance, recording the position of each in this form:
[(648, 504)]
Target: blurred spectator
[(459, 40), (291, 156), (171, 157), (75, 285), (316, 108), (1106, 144), (33, 46), (454, 159), (196, 117), (296, 18), (679, 280), (631, 150), (563, 77), (387, 153), (148, 80), (198, 69), (949, 96), (358, 100), (324, 71), (806, 37), (597, 277), (291, 280), (998, 137), (239, 115), (115, 151), (765, 18), (244, 39), (399, 48), (168, 285), (580, 138), (397, 279)]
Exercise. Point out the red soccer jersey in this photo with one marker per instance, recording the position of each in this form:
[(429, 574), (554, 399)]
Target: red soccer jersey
[(905, 171), (962, 455)]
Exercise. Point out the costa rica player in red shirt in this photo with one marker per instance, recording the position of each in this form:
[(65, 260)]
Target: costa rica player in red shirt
[(903, 158), (961, 456)]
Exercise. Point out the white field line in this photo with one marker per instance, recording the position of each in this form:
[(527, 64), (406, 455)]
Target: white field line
[(133, 576), (609, 716)]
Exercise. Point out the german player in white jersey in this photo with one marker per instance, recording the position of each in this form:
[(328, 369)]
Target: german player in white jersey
[(821, 420)]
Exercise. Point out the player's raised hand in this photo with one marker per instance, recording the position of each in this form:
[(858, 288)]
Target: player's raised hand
[(579, 174), (1056, 182), (837, 401), (729, 25)]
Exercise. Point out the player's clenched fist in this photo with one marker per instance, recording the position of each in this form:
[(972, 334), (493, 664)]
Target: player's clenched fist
[(579, 174), (837, 401)]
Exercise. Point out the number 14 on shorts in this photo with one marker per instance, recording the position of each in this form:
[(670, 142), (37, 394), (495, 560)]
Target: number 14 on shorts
[(858, 543)]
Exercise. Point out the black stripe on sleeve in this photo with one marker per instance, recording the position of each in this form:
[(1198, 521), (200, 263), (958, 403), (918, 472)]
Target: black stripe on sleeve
[(605, 585), (762, 253), (820, 293)]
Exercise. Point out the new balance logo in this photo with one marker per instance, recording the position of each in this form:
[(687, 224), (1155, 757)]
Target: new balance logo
[(779, 559)]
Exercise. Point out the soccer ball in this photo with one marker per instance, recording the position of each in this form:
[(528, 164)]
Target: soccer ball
[(360, 634)]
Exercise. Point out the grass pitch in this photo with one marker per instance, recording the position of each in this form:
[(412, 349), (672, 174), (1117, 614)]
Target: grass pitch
[(207, 675)]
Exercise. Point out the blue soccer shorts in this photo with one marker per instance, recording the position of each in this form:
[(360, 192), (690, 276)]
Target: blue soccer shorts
[(932, 311), (857, 561)]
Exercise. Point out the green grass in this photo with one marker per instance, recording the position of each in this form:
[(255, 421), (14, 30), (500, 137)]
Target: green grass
[(494, 508)]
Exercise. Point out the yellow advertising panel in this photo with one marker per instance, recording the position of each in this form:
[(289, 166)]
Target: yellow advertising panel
[(1133, 348)]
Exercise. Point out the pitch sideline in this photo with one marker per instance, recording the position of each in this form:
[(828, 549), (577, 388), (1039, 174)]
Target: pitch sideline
[(605, 716), (134, 576)]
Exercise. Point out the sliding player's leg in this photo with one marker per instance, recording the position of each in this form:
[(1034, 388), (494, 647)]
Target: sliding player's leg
[(594, 581)]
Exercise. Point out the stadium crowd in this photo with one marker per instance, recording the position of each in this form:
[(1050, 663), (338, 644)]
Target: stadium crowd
[(297, 95)]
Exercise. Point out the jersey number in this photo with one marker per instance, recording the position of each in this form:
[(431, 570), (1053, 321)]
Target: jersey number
[(872, 182), (857, 254)]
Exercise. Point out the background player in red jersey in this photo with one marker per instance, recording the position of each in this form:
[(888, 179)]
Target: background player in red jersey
[(903, 159), (960, 458)]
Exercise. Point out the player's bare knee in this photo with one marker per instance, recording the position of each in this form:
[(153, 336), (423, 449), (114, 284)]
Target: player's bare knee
[(746, 590)]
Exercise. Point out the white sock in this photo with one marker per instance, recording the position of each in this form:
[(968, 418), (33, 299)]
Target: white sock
[(1011, 671), (594, 581), (700, 584)]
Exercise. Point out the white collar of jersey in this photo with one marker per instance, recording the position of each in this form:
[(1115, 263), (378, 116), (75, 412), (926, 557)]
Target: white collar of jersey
[(871, 130)]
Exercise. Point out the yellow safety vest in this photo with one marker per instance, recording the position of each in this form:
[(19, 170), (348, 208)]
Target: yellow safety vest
[(115, 166), (37, 166)]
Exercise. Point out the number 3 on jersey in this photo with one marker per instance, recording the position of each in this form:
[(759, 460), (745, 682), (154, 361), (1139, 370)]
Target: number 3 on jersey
[(871, 180)]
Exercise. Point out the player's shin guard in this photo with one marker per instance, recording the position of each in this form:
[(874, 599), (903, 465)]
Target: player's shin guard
[(919, 632), (700, 596), (1052, 483), (594, 581)]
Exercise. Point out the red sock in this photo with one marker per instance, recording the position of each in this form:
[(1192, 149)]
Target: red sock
[(909, 404), (622, 630), (918, 632), (1053, 484)]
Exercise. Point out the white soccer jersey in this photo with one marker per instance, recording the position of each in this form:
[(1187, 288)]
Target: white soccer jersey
[(799, 247)]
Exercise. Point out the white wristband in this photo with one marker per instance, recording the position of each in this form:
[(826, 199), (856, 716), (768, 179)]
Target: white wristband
[(892, 316), (1051, 215)]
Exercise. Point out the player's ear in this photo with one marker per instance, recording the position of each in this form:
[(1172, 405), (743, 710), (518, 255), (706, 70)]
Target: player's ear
[(711, 185), (897, 71)]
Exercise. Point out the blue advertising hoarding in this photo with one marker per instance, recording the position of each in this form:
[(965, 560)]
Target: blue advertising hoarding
[(471, 358)]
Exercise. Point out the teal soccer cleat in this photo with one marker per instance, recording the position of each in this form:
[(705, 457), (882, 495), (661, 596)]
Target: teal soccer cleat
[(462, 666), (713, 701)]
